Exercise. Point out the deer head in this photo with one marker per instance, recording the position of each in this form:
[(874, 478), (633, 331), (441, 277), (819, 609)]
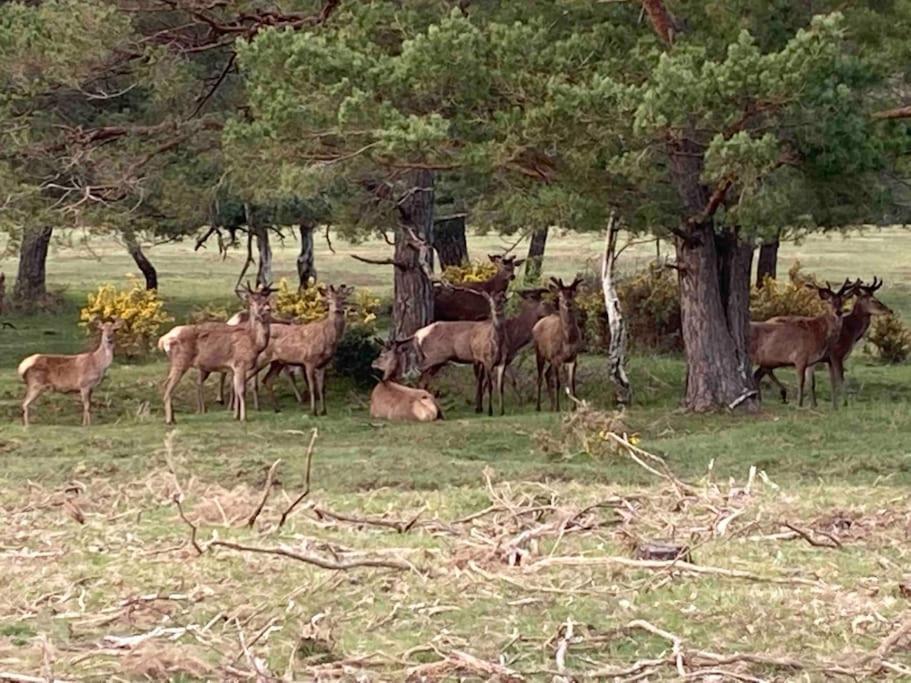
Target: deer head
[(836, 300), (506, 265), (389, 362), (866, 300), (566, 294), (258, 301), (336, 297)]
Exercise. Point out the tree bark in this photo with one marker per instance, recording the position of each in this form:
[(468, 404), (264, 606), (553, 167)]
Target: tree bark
[(412, 306), (31, 279), (142, 262), (767, 266), (735, 260), (535, 261), (619, 333), (306, 268), (714, 328), (264, 250), (449, 240)]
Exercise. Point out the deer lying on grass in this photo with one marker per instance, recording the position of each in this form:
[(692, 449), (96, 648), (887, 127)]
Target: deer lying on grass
[(469, 342), (311, 346), (69, 374), (217, 347), (459, 303), (558, 341), (800, 341), (518, 333), (392, 401), (854, 326)]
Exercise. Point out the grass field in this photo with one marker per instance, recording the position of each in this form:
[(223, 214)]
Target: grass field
[(798, 570)]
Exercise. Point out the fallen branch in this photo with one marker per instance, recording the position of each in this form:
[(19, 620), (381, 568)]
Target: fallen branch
[(805, 535), (574, 561), (294, 504), (266, 490), (308, 558), (402, 526), (193, 529)]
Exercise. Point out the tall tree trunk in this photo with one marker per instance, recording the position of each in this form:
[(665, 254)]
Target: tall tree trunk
[(306, 268), (449, 240), (716, 376), (535, 261), (31, 279), (412, 306), (264, 250), (767, 266), (619, 332), (142, 262), (735, 260)]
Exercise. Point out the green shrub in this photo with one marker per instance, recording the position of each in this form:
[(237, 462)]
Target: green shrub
[(355, 353), (141, 310), (890, 339)]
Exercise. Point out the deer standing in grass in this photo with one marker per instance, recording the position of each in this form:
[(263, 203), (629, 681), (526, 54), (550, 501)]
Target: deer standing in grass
[(462, 303), (469, 342), (217, 347), (800, 341), (69, 374), (392, 401), (558, 341), (518, 330), (854, 326), (311, 346)]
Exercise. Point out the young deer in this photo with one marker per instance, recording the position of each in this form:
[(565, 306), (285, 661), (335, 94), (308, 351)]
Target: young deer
[(558, 341), (518, 333), (69, 374), (392, 401), (800, 341), (217, 347), (461, 303), (311, 346), (854, 326), (469, 342)]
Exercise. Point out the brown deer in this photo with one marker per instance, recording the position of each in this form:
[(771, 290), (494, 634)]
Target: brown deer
[(558, 341), (469, 342), (457, 303), (69, 374), (392, 401), (311, 346), (217, 347), (854, 326), (518, 332), (800, 341)]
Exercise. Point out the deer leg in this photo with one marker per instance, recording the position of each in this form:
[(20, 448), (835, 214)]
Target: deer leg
[(86, 395), (311, 382), (221, 388), (289, 371), (255, 389), (810, 372), (558, 371), (835, 381), (571, 380), (540, 361), (501, 372), (321, 385), (274, 370), (240, 394), (801, 378), (200, 393), (478, 387), (174, 377), (32, 392)]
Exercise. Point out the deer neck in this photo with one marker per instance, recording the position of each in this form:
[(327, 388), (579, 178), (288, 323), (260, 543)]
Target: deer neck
[(259, 331), (568, 323), (104, 354), (834, 325), (335, 323), (857, 322), (519, 328)]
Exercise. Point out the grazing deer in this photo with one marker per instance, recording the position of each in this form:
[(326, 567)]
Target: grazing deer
[(854, 326), (392, 401), (458, 303), (558, 341), (217, 347), (69, 374), (800, 341), (311, 346), (470, 342), (518, 332)]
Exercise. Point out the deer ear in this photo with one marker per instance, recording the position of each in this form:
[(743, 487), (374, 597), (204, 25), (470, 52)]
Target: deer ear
[(118, 323)]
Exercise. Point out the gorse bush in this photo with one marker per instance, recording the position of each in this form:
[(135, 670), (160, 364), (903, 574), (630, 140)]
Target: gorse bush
[(476, 271), (793, 297), (210, 313), (141, 310), (307, 305), (889, 340)]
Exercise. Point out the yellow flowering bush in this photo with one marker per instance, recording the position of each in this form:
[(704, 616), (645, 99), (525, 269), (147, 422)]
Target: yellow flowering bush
[(210, 313), (141, 310), (889, 340), (786, 298), (308, 305), (476, 271)]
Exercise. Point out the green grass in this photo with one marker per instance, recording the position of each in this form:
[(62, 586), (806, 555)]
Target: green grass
[(71, 586)]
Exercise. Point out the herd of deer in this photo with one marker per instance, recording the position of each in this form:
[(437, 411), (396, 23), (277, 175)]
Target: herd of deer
[(471, 328)]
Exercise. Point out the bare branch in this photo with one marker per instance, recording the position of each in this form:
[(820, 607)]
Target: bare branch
[(266, 489), (306, 491)]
